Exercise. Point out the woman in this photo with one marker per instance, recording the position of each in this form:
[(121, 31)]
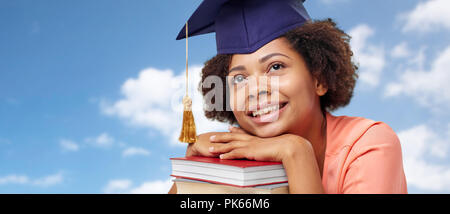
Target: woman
[(315, 75)]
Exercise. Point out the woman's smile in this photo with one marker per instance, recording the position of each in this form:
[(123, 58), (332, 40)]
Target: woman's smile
[(266, 113)]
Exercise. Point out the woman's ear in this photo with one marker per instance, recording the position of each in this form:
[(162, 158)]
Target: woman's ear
[(320, 88)]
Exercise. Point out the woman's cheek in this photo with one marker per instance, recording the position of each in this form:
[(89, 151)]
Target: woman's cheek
[(288, 86), (298, 92)]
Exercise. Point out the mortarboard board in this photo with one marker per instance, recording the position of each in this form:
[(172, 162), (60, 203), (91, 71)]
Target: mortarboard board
[(243, 26)]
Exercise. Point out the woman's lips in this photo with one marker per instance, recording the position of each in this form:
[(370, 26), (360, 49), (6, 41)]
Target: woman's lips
[(269, 117)]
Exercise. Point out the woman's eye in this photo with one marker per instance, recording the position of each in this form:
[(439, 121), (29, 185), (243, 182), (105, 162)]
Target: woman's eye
[(276, 67), (238, 79)]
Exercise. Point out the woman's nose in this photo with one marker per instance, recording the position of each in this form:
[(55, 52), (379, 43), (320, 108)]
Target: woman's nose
[(258, 86), (260, 93), (263, 92)]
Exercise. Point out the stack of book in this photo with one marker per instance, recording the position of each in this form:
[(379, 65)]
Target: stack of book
[(204, 175)]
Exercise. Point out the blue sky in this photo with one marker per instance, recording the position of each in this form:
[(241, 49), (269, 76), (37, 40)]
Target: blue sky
[(88, 89)]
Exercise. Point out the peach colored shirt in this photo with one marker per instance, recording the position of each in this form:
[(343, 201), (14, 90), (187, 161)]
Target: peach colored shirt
[(362, 156)]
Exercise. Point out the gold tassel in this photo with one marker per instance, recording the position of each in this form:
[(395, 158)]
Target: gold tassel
[(188, 133)]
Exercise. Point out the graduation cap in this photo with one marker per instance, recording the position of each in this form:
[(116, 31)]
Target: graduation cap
[(243, 26)]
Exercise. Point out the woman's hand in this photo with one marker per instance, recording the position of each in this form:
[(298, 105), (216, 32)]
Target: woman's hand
[(201, 147), (237, 144)]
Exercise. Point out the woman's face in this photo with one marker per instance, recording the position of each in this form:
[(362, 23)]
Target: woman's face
[(272, 90)]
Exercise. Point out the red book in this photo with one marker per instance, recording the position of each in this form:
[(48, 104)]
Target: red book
[(241, 173)]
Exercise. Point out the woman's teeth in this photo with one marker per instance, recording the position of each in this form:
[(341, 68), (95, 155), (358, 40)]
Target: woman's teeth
[(265, 110)]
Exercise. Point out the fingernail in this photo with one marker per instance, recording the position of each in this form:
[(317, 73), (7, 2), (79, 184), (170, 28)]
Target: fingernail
[(221, 156), (212, 137), (211, 149)]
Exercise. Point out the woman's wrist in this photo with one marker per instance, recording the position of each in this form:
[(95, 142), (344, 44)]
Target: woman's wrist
[(190, 150), (294, 147)]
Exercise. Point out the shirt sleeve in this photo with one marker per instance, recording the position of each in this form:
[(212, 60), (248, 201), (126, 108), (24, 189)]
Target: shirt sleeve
[(375, 163)]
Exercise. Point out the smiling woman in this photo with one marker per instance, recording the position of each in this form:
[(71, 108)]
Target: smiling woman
[(281, 87)]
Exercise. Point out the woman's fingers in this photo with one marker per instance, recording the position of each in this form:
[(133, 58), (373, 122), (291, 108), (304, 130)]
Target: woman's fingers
[(229, 136), (200, 148), (226, 147), (239, 153)]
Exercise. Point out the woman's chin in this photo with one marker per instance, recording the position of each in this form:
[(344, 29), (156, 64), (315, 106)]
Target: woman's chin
[(268, 130)]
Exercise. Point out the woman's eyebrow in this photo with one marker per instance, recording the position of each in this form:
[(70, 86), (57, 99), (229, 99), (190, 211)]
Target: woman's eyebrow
[(237, 68), (262, 60), (265, 58)]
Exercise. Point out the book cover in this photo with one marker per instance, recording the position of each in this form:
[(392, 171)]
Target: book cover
[(235, 163)]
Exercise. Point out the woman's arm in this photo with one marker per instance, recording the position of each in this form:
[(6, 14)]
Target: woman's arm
[(302, 169)]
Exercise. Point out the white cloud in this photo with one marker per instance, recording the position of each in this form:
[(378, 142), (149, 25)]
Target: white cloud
[(427, 16), (419, 144), (45, 181), (133, 151), (401, 51), (68, 145), (429, 88), (104, 140), (146, 100), (370, 57), (153, 187), (153, 100), (122, 186), (117, 186), (49, 180), (14, 179), (418, 61)]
